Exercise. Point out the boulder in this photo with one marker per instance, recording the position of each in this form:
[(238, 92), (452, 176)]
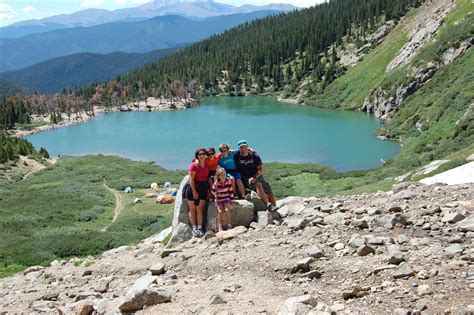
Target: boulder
[(181, 233), (136, 300), (296, 305), (242, 214), (265, 218), (289, 209), (181, 208), (257, 202), (140, 294)]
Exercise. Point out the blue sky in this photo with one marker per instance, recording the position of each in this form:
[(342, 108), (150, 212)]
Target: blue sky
[(17, 10)]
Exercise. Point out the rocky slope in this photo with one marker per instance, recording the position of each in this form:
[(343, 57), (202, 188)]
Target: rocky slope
[(386, 99), (408, 250)]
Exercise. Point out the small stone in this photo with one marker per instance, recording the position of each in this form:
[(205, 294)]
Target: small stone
[(395, 258), (230, 234), (405, 272), (296, 305), (424, 289), (455, 239), (311, 274), (217, 299), (382, 268), (136, 300), (33, 269), (50, 296), (401, 311), (158, 268), (87, 309), (168, 251), (452, 218), (357, 241), (365, 250), (296, 224), (454, 249), (303, 265), (466, 225), (423, 274), (232, 287), (339, 246), (103, 285), (315, 251), (394, 208), (337, 307), (360, 224), (87, 272)]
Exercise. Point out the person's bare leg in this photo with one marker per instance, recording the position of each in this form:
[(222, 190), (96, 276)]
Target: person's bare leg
[(261, 193), (200, 212), (227, 214), (240, 186), (272, 199), (219, 218), (232, 180), (192, 213)]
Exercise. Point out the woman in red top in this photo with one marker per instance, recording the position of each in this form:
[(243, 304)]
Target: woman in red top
[(197, 190)]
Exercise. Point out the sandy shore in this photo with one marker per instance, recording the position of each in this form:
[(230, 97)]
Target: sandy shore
[(150, 105), (288, 100)]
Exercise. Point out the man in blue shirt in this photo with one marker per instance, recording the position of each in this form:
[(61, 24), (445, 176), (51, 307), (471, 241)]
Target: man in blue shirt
[(249, 165)]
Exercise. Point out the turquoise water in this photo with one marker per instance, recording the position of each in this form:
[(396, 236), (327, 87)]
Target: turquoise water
[(279, 132)]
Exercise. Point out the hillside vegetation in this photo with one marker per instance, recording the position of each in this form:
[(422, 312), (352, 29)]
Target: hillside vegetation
[(60, 211)]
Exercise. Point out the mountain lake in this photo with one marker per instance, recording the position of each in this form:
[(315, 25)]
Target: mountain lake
[(281, 132)]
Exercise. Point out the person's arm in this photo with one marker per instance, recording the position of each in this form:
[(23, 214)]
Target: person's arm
[(259, 172), (192, 183)]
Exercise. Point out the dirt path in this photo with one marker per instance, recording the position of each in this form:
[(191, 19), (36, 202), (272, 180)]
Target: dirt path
[(118, 205)]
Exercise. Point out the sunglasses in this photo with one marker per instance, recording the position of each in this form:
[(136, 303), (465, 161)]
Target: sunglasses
[(202, 154)]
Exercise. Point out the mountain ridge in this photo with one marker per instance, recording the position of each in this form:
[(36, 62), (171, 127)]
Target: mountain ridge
[(137, 37), (91, 17)]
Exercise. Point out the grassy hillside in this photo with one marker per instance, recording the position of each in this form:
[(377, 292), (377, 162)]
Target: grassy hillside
[(60, 211)]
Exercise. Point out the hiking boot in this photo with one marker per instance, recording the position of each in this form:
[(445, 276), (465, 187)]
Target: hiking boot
[(272, 208), (195, 232), (200, 233)]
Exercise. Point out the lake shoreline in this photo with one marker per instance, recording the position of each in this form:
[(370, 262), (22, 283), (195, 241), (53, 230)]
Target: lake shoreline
[(150, 105)]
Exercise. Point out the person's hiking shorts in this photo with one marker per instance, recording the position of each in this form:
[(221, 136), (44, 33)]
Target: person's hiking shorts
[(234, 174), (266, 186), (202, 189)]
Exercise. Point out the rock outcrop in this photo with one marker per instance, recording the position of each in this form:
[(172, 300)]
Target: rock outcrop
[(385, 101), (405, 251), (243, 212), (424, 27)]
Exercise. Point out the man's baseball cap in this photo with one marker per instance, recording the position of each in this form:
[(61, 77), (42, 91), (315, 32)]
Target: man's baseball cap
[(242, 143)]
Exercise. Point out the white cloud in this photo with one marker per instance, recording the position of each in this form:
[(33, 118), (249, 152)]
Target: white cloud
[(120, 2), (7, 13), (141, 1), (29, 9), (91, 3)]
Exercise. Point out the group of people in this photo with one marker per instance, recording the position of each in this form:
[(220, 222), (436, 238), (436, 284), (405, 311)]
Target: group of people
[(221, 178)]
